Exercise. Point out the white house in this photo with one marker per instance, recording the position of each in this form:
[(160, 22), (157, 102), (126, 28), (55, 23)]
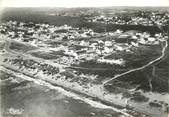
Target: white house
[(151, 39)]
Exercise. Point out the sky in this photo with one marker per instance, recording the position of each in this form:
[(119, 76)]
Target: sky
[(81, 3)]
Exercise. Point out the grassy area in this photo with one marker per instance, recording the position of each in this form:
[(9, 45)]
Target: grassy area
[(46, 55), (102, 69), (21, 47), (144, 79), (153, 78), (4, 75), (140, 56), (2, 45)]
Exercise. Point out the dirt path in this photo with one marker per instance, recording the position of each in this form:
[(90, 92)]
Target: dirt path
[(140, 68), (8, 42)]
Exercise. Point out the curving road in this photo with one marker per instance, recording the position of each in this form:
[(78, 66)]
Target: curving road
[(140, 68), (79, 96)]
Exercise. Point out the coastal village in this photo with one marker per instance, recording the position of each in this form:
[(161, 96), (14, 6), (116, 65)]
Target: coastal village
[(85, 61), (143, 18), (78, 45)]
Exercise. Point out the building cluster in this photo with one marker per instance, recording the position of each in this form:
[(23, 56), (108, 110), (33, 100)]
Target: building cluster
[(33, 66), (38, 68), (78, 45), (30, 32), (150, 20)]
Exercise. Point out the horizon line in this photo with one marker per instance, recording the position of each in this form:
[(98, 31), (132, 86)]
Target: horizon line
[(76, 7)]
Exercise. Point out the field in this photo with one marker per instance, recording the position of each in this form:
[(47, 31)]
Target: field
[(149, 79), (46, 55), (21, 47), (2, 45), (141, 56)]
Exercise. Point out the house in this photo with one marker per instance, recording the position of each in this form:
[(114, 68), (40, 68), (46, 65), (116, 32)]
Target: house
[(98, 52), (134, 44), (83, 35), (119, 48), (83, 43), (108, 43), (119, 31), (106, 50), (134, 37), (142, 41), (151, 39), (100, 41), (112, 61)]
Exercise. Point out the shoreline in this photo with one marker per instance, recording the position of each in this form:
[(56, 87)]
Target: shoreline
[(71, 93), (100, 97)]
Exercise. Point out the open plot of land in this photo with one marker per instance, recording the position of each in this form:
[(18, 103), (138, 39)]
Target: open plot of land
[(139, 57), (47, 55), (21, 47), (150, 79), (2, 45)]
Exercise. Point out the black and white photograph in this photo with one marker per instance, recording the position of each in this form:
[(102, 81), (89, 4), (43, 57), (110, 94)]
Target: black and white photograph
[(84, 58)]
